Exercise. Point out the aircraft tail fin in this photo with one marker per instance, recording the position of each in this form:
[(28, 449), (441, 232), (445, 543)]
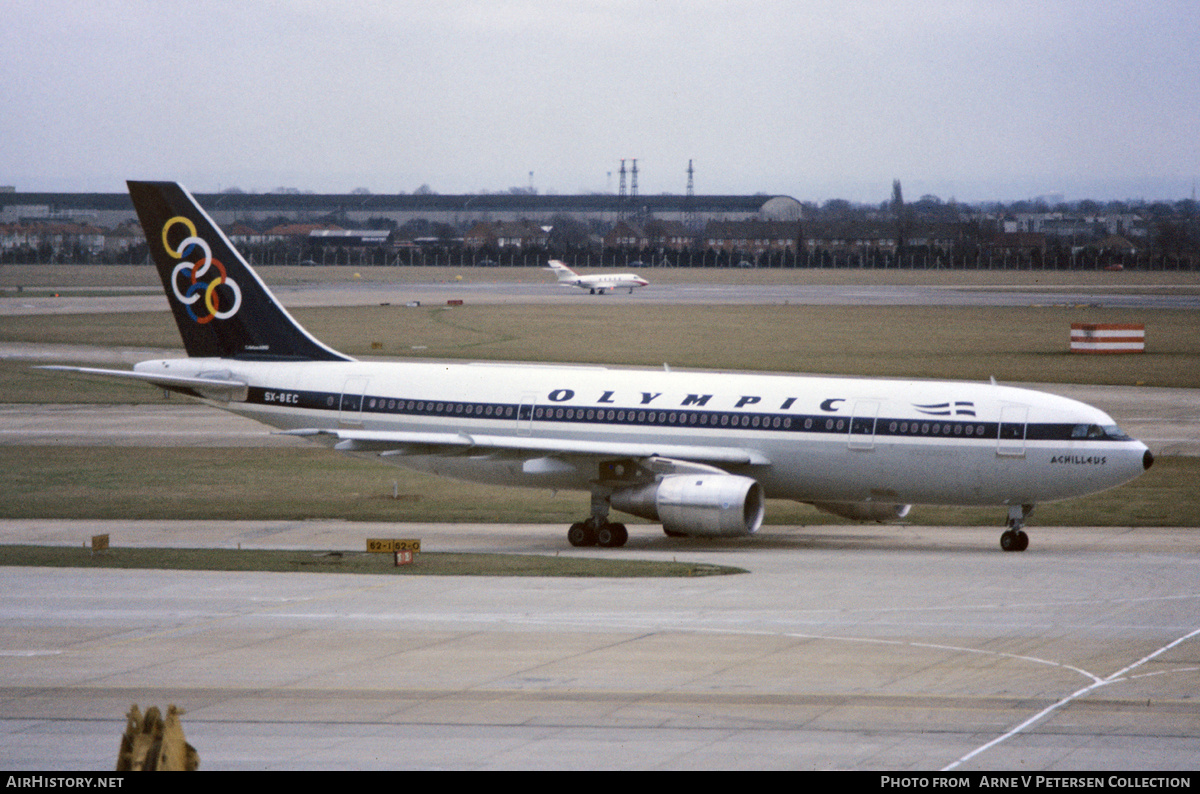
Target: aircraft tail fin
[(221, 306), (563, 272)]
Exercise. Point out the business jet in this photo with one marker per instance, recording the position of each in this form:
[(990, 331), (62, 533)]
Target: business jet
[(698, 452), (597, 284)]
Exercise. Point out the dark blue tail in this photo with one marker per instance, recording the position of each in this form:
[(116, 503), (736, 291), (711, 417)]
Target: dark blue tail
[(221, 306)]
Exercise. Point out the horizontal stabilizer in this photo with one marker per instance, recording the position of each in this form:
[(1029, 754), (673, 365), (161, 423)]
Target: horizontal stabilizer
[(215, 387)]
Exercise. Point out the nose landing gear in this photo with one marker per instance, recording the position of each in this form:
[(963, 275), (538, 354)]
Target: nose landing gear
[(1014, 538)]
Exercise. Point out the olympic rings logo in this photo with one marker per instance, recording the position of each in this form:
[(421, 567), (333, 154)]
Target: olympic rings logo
[(196, 287)]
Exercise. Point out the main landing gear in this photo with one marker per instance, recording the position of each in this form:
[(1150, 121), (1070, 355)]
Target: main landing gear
[(598, 530), (607, 534), (1014, 538)]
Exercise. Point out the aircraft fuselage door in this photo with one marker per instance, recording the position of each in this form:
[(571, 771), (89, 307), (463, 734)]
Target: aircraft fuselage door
[(350, 407), (1010, 437), (862, 424), (525, 414)]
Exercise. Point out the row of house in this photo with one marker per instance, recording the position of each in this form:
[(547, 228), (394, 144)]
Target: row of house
[(66, 236), (751, 237), (773, 237)]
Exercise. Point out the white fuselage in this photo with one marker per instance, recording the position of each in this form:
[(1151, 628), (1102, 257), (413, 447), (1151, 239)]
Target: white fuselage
[(599, 282), (804, 438), (605, 282)]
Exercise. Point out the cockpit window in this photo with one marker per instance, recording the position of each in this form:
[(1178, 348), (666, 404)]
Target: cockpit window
[(1113, 432), (1109, 432)]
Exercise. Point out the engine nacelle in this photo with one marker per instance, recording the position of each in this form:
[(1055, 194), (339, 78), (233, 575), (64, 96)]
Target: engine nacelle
[(864, 511), (708, 505)]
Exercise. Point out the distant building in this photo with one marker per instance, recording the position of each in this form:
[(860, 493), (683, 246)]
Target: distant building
[(752, 237), (1077, 228), (349, 238), (851, 237), (504, 234), (296, 232), (627, 235), (242, 234), (122, 238), (653, 234), (59, 236)]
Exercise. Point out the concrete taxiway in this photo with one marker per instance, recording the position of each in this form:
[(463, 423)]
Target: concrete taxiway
[(910, 648)]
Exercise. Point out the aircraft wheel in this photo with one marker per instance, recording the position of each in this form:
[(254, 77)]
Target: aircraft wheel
[(581, 534), (612, 536), (1014, 540)]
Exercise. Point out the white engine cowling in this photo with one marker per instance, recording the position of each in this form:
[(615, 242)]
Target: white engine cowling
[(864, 511), (709, 505)]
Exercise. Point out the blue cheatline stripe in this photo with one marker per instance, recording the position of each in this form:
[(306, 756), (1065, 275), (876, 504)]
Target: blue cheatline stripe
[(931, 427)]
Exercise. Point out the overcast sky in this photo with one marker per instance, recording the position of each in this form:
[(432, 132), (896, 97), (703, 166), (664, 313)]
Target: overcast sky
[(817, 99)]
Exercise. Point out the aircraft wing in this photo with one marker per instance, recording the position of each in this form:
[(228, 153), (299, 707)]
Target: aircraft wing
[(388, 443), (222, 388)]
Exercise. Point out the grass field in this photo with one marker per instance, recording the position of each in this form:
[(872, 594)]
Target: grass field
[(424, 564)]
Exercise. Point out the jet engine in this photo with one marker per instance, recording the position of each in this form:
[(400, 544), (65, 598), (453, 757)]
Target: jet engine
[(706, 505), (864, 511)]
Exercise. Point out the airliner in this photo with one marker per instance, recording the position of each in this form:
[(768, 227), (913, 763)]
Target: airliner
[(697, 452), (597, 284)]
